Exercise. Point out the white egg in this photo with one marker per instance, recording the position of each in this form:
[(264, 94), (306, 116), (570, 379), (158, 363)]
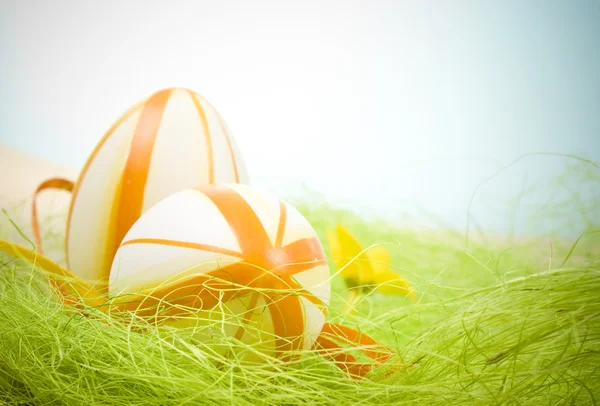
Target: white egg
[(168, 142), (235, 253)]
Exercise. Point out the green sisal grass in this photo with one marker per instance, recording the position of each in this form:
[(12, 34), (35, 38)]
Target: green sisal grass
[(497, 321)]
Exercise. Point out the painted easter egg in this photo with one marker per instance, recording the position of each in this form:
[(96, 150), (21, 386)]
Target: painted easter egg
[(170, 141), (233, 250)]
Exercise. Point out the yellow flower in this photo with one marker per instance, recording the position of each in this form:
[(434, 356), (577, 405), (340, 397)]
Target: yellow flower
[(365, 270)]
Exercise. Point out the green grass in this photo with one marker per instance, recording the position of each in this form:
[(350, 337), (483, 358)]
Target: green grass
[(497, 321)]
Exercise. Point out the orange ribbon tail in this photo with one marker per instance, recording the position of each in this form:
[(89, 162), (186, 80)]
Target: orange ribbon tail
[(332, 335)]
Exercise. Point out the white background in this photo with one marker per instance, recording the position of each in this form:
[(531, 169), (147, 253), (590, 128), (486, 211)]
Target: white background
[(382, 106)]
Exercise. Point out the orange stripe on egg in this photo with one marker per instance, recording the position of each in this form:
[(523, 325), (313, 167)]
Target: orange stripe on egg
[(231, 153), (209, 147), (288, 322), (129, 199), (281, 226), (300, 255), (87, 164), (184, 244), (243, 221)]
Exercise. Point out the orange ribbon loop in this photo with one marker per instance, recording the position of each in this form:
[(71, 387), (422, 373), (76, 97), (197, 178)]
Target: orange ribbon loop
[(53, 183)]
